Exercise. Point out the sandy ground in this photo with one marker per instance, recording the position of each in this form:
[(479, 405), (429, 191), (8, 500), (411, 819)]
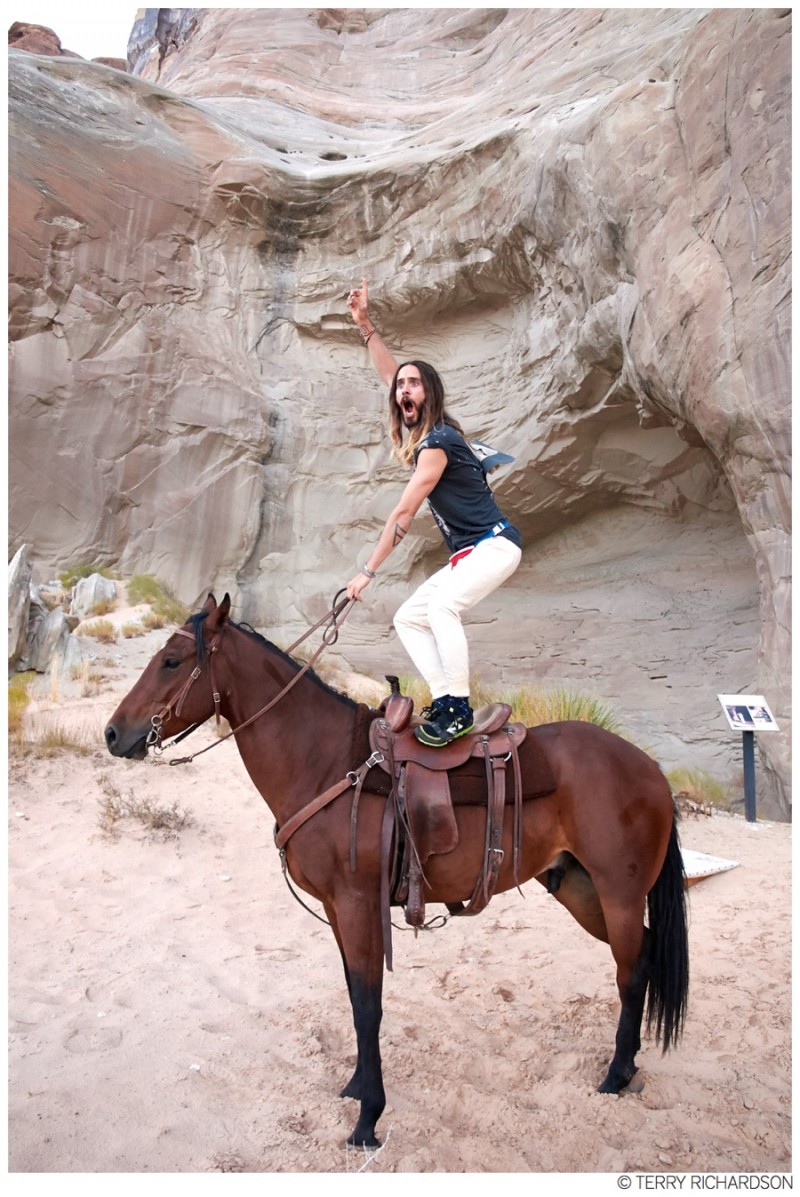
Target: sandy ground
[(174, 1010)]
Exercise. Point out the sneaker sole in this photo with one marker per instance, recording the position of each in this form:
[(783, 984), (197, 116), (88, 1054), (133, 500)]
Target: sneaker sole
[(438, 742)]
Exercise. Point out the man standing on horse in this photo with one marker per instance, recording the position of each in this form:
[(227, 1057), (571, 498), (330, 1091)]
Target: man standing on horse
[(485, 548)]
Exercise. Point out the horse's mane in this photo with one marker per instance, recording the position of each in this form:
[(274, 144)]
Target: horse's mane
[(196, 622)]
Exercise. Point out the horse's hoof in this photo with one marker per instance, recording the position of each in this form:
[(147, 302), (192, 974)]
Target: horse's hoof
[(619, 1082), (607, 1087), (363, 1141)]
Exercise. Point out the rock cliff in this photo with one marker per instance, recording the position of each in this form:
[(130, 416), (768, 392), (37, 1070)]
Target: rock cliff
[(581, 216)]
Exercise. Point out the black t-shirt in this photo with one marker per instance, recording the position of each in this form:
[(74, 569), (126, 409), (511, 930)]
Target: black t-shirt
[(462, 501)]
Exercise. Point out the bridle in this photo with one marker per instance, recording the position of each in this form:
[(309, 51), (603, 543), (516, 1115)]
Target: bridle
[(154, 739), (335, 618)]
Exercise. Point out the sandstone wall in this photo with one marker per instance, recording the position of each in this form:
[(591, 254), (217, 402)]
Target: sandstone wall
[(582, 216)]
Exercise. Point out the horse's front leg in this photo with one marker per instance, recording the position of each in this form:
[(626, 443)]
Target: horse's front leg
[(353, 1086), (357, 926)]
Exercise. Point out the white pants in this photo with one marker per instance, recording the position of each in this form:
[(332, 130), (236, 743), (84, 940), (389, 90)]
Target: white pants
[(429, 623)]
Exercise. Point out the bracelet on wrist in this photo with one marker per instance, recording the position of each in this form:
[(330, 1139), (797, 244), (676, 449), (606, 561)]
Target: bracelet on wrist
[(366, 333), (370, 573)]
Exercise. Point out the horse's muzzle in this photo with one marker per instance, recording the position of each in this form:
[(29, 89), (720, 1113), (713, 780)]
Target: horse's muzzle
[(132, 745)]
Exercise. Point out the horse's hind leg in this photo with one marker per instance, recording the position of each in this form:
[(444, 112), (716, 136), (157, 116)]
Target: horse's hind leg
[(628, 938), (572, 886)]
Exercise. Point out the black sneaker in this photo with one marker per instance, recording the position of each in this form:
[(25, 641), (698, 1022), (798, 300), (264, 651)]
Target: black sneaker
[(427, 714), (451, 720)]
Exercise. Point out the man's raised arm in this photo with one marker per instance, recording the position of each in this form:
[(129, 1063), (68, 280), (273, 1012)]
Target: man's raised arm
[(382, 358)]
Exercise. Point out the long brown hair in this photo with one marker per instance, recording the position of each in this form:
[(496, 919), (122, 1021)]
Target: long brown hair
[(433, 412)]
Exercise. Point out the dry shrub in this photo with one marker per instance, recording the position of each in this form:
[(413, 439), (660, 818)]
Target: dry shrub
[(89, 680), (43, 737), (152, 621), (103, 630), (115, 806), (103, 607), (698, 788), (130, 630)]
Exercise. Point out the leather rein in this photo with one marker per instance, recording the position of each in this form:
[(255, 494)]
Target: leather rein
[(335, 618)]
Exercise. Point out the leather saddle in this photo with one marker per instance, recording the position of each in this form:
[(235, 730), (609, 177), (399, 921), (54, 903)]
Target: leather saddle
[(420, 820)]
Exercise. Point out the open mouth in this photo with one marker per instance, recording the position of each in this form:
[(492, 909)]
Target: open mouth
[(408, 409)]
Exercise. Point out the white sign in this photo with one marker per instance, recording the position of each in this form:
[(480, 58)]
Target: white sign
[(748, 712)]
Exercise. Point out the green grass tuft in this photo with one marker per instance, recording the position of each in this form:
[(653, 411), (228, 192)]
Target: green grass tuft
[(72, 576), (18, 700), (529, 705), (143, 588)]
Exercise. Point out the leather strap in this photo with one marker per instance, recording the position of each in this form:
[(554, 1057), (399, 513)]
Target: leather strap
[(283, 835), (517, 811), (493, 851), (387, 832)]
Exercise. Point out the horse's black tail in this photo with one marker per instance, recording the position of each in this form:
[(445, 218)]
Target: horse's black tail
[(669, 947)]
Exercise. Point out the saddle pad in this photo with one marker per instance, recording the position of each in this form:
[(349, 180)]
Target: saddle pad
[(468, 781)]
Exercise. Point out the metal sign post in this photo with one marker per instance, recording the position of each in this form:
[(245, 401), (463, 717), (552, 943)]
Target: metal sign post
[(749, 759), (748, 713)]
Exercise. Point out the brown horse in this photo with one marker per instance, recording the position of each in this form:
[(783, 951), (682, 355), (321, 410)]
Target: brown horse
[(608, 830)]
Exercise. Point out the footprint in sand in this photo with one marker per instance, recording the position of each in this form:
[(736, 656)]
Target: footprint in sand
[(98, 1039)]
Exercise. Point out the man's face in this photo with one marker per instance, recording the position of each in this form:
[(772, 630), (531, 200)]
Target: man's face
[(410, 395)]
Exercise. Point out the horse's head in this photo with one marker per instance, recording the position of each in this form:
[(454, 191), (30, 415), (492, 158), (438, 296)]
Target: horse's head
[(176, 689)]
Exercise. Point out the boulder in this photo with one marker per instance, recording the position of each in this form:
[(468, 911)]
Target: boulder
[(37, 39), (91, 593), (51, 642), (20, 572)]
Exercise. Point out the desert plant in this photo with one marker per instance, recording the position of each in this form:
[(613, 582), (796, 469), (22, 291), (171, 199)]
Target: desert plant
[(18, 700), (55, 679), (116, 806), (88, 678), (699, 787), (133, 629), (70, 577), (534, 707), (151, 621), (103, 607), (143, 588), (102, 629), (43, 738), (529, 705)]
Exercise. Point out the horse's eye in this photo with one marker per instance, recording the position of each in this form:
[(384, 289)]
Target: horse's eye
[(171, 662)]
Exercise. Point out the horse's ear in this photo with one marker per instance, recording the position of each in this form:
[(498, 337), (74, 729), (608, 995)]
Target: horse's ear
[(218, 615), (210, 603)]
